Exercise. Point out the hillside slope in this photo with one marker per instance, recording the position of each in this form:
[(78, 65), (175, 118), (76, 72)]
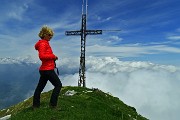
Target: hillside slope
[(75, 103)]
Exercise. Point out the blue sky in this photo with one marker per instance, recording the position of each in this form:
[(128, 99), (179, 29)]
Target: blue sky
[(150, 29)]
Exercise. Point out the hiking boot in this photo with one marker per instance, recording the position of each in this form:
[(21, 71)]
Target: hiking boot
[(52, 106)]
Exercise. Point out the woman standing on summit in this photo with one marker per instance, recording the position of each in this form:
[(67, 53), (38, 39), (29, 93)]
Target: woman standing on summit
[(46, 70)]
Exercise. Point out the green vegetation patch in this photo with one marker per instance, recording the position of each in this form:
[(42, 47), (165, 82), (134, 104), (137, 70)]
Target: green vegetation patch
[(75, 103)]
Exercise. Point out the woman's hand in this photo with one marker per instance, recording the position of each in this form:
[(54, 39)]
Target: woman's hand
[(56, 58)]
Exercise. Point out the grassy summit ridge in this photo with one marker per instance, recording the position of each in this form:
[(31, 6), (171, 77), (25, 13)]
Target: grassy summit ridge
[(75, 103)]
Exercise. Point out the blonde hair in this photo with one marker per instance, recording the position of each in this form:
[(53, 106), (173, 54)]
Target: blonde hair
[(45, 30)]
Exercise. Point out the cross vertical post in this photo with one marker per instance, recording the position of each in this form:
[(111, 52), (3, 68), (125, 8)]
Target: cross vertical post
[(82, 68), (83, 33)]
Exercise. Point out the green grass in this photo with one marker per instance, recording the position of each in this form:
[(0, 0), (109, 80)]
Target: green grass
[(86, 104)]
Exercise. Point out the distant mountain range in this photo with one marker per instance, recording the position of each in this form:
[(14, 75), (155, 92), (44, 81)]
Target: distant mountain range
[(25, 60), (18, 79)]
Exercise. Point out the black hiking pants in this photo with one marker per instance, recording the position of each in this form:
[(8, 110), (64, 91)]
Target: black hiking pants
[(46, 75)]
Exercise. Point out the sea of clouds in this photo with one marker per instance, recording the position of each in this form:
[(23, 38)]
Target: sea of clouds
[(152, 89)]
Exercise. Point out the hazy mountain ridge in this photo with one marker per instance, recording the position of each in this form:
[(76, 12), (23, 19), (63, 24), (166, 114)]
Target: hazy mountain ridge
[(17, 79), (20, 60)]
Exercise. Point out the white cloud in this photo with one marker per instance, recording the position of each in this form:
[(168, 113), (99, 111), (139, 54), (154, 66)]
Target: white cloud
[(17, 12), (120, 51), (116, 38), (109, 18), (174, 37), (152, 89), (14, 9), (130, 50)]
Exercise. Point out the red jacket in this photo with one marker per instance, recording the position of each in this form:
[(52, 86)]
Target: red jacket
[(45, 55)]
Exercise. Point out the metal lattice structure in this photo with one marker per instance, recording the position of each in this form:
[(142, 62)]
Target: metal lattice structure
[(83, 32)]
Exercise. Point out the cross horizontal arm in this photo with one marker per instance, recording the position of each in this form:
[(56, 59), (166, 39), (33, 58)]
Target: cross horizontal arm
[(87, 32), (77, 32), (93, 32)]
